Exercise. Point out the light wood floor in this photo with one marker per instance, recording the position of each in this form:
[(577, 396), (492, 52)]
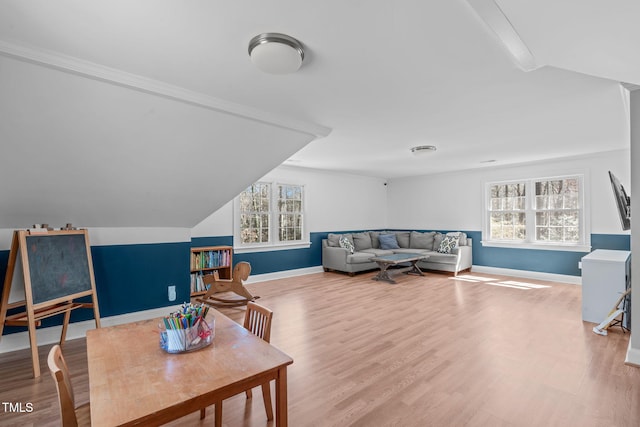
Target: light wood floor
[(429, 351)]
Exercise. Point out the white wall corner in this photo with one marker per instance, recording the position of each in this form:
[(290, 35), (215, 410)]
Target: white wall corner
[(633, 356)]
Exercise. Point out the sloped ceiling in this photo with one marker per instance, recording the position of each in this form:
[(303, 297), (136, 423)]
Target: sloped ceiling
[(118, 113), (593, 37), (93, 153)]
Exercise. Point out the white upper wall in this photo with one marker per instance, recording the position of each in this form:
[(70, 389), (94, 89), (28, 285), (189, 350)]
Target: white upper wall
[(106, 236), (337, 201), (453, 201), (334, 202)]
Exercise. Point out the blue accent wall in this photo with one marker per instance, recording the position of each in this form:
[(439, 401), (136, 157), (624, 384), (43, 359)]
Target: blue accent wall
[(211, 241), (621, 242), (272, 261), (129, 278), (135, 277), (544, 261)]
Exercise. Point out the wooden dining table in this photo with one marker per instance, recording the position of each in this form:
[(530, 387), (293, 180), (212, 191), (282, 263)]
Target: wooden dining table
[(132, 381)]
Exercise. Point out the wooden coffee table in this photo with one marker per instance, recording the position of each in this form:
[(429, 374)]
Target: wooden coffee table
[(386, 261)]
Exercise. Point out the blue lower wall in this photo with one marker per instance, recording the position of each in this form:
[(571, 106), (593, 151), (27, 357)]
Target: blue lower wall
[(272, 261), (131, 278), (136, 277), (543, 261)]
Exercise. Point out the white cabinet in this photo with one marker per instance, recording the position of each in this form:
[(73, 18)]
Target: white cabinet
[(605, 276)]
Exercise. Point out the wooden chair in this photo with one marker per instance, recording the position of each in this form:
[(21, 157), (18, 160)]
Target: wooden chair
[(257, 319), (216, 285), (70, 415)]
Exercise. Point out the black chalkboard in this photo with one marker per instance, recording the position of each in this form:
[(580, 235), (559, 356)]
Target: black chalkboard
[(58, 266)]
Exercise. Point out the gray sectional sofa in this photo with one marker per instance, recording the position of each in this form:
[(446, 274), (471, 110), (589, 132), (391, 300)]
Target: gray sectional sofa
[(353, 254)]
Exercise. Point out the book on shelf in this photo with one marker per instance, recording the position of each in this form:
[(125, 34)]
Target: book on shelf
[(197, 284), (210, 259)]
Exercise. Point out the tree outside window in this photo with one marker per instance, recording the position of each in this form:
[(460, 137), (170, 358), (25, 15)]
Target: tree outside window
[(271, 214), (542, 211), (557, 210), (507, 212), (255, 213)]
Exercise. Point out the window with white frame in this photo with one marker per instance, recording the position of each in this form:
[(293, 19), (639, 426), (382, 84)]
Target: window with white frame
[(270, 215), (541, 211), (289, 203), (255, 214)]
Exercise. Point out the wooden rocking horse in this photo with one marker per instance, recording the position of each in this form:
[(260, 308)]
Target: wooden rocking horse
[(216, 285)]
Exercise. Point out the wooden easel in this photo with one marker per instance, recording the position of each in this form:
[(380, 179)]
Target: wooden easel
[(216, 285), (57, 269)]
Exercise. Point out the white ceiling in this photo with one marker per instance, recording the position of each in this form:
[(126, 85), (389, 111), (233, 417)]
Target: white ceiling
[(379, 77)]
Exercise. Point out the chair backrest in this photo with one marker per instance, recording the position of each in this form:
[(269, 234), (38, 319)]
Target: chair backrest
[(60, 374), (257, 319)]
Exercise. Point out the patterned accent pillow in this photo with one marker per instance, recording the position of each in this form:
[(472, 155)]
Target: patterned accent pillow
[(346, 244), (448, 244)]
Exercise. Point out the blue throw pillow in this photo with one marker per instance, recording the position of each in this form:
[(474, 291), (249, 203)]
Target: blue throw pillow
[(388, 241)]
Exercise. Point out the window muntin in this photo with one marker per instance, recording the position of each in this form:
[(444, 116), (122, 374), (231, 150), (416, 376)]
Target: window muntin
[(557, 210), (541, 211), (289, 212), (255, 203), (270, 214), (507, 211)]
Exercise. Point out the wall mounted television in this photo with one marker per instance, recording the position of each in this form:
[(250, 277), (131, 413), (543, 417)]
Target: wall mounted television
[(623, 201)]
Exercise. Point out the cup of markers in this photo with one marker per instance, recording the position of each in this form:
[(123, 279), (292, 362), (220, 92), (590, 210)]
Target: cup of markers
[(186, 329)]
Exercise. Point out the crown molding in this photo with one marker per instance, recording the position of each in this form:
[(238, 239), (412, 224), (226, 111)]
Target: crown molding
[(90, 70)]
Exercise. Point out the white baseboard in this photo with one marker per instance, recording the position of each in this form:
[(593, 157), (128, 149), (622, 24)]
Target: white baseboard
[(283, 274), (563, 278), (51, 335), (633, 356)]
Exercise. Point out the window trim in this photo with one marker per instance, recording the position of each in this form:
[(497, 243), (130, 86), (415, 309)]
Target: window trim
[(273, 244), (584, 207)]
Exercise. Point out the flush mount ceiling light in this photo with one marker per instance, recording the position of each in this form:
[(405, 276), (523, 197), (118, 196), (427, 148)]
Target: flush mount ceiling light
[(423, 149), (276, 53)]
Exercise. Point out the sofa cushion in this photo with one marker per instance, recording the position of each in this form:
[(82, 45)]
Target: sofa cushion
[(333, 240), (448, 243), (362, 241), (375, 242), (441, 258), (388, 241), (437, 239), (403, 238), (359, 258), (412, 251), (379, 252), (419, 240), (346, 243)]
